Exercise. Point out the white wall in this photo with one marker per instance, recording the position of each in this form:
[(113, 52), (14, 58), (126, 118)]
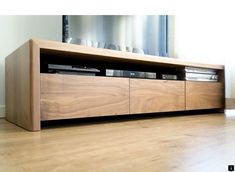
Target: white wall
[(208, 38), (15, 30)]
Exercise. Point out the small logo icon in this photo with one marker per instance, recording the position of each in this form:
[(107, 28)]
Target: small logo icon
[(230, 167)]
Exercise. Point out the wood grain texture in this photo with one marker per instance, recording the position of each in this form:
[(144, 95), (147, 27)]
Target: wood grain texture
[(204, 95), (17, 80), (71, 96), (23, 86), (21, 108), (17, 74), (35, 85), (118, 55), (199, 143), (156, 95)]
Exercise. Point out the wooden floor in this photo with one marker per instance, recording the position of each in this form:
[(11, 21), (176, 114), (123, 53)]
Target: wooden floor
[(182, 143)]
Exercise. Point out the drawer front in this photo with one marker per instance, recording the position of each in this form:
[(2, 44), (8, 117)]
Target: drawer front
[(148, 96), (204, 95), (72, 96)]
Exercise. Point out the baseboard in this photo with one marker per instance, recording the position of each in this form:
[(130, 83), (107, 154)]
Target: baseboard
[(230, 103), (2, 111)]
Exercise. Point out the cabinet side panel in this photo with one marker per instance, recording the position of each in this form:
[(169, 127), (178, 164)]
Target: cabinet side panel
[(17, 74), (35, 85)]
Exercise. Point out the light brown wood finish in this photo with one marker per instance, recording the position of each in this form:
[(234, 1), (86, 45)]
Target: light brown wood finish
[(71, 96), (221, 74), (23, 78), (204, 95), (156, 95), (200, 143), (118, 55), (19, 68), (35, 85), (17, 86)]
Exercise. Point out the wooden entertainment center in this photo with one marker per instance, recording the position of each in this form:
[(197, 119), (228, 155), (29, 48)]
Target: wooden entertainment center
[(34, 95)]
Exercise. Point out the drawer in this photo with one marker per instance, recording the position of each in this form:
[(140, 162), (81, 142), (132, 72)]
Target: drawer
[(204, 95), (148, 96), (73, 96)]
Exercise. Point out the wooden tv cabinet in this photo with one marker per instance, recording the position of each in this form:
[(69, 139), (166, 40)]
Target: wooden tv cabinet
[(34, 95)]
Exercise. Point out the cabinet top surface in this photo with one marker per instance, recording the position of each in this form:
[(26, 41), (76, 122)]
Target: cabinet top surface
[(119, 55)]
